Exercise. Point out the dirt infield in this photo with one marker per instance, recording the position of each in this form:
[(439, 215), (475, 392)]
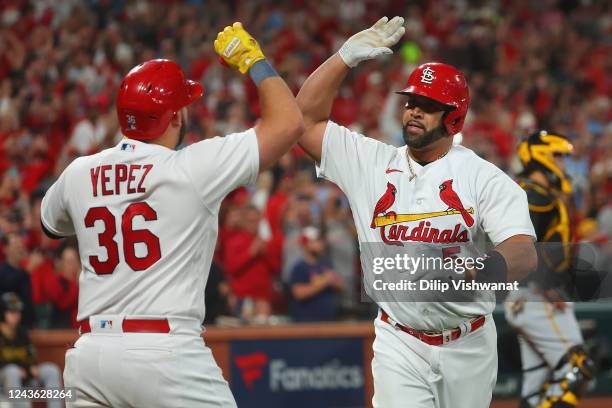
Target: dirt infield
[(601, 402)]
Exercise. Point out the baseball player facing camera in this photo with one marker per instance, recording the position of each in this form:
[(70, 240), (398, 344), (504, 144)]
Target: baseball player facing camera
[(556, 367), (146, 220), (426, 354)]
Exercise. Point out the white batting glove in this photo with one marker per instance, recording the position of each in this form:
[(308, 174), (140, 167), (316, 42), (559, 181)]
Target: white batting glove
[(374, 41)]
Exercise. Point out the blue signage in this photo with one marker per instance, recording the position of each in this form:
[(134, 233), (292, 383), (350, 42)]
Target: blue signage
[(323, 373)]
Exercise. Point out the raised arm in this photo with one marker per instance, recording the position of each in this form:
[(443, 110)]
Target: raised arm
[(281, 121), (315, 99), (317, 95)]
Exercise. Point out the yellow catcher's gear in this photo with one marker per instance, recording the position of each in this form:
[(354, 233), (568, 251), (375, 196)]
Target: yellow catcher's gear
[(237, 48), (537, 153)]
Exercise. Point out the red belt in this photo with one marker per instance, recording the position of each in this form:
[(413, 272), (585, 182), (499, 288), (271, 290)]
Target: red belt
[(135, 326), (435, 338)]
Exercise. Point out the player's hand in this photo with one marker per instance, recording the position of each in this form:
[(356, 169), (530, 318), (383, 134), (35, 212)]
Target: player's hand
[(558, 306), (319, 280), (237, 48), (257, 247), (555, 299), (334, 280), (34, 372), (470, 274), (34, 261), (374, 41)]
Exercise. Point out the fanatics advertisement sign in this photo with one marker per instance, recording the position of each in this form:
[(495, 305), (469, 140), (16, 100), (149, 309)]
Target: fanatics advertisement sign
[(298, 373)]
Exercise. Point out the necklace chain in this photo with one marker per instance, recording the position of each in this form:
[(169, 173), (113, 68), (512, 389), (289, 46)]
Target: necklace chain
[(412, 173)]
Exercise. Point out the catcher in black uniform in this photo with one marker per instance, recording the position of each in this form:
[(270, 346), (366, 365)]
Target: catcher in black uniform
[(556, 368)]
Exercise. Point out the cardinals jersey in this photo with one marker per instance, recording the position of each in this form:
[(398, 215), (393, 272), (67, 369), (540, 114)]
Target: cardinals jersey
[(457, 199), (145, 218)]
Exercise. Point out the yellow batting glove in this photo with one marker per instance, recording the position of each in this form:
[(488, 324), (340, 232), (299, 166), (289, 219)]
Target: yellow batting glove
[(237, 48)]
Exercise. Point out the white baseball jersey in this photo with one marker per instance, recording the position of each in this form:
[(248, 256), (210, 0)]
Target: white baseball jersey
[(370, 172), (146, 220)]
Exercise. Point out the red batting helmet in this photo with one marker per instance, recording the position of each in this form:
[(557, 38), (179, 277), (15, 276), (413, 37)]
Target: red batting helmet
[(150, 95), (445, 84)]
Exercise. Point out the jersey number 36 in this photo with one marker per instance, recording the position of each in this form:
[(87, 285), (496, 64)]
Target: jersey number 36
[(131, 237)]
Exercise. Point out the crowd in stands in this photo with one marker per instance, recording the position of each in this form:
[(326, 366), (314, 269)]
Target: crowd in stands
[(287, 246)]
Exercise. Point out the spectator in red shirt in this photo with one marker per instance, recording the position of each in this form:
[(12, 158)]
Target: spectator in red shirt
[(39, 264), (249, 268), (65, 289), (55, 288)]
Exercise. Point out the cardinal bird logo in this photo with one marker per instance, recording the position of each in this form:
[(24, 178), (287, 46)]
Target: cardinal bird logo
[(452, 200), (384, 203)]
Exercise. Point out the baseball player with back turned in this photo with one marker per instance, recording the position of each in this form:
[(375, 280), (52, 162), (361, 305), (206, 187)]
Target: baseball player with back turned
[(426, 354), (556, 366), (145, 217)]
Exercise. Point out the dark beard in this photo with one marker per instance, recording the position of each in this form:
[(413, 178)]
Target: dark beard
[(425, 139)]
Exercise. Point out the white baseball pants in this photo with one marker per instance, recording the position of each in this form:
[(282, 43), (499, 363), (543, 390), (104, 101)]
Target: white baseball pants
[(145, 370), (410, 373), (545, 336)]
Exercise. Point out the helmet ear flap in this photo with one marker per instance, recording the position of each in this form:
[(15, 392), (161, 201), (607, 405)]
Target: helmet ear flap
[(453, 121)]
